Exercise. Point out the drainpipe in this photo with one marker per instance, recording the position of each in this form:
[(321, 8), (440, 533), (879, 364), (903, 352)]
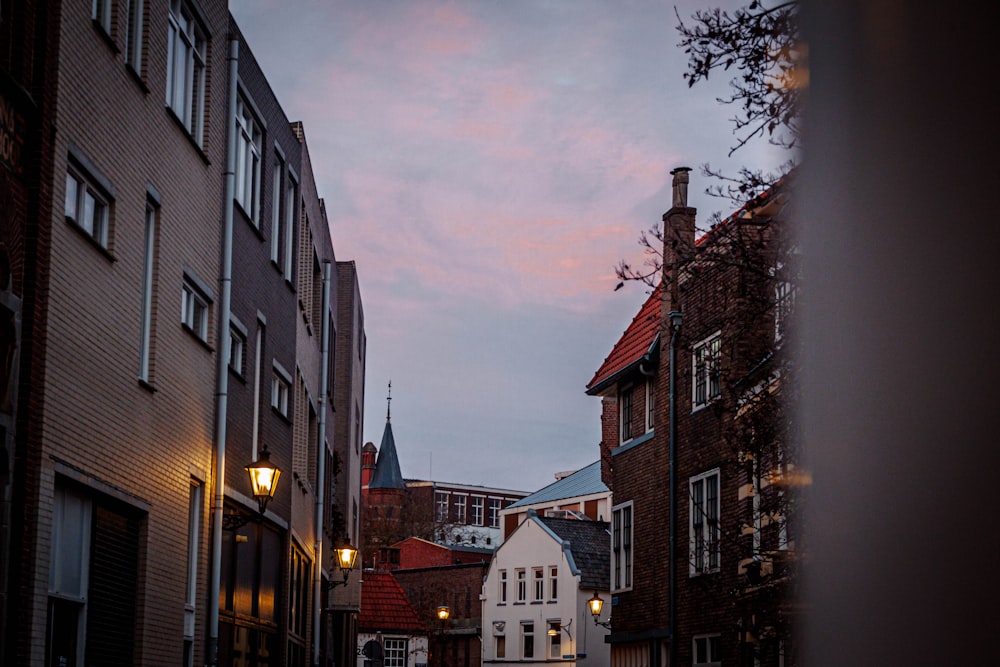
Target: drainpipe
[(321, 461), (675, 327), (222, 364)]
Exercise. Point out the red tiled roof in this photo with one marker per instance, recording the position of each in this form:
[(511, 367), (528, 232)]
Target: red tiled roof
[(634, 343), (385, 607)]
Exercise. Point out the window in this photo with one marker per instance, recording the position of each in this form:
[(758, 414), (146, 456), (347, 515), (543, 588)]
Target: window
[(148, 267), (460, 508), (280, 387), (441, 505), (621, 547), (555, 641), (248, 142), (194, 309), (705, 650), (191, 598), (395, 652), (87, 206), (93, 579), (650, 403), (133, 35), (527, 640), (495, 512), (522, 586), (503, 586), (291, 213), (277, 227), (538, 588), (501, 645), (477, 510), (101, 13), (186, 62), (553, 584), (704, 527), (706, 384), (784, 300), (298, 609), (237, 348), (625, 414)]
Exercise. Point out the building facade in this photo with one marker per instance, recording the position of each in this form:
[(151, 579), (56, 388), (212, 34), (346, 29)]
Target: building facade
[(168, 278), (705, 504)]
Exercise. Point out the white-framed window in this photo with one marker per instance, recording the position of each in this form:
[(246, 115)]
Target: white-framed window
[(522, 585), (477, 510), (704, 522), (191, 595), (87, 206), (527, 640), (706, 384), (100, 11), (625, 414), (538, 584), (441, 505), (237, 348), (555, 641), (650, 404), (135, 20), (784, 301), (291, 224), (502, 584), (500, 642), (706, 650), (248, 150), (553, 583), (621, 546), (460, 508), (495, 512), (395, 652), (277, 220), (194, 309), (149, 247), (281, 384), (186, 64)]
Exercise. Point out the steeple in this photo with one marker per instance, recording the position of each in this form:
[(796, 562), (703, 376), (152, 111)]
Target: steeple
[(387, 474)]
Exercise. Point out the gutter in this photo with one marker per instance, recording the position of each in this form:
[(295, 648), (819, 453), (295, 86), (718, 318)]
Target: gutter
[(321, 462), (222, 363)]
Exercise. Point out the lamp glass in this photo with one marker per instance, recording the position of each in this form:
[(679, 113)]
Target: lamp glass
[(263, 478), (346, 555), (596, 605), (443, 612)]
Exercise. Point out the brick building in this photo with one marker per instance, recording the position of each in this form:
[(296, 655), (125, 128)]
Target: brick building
[(167, 270), (702, 527)]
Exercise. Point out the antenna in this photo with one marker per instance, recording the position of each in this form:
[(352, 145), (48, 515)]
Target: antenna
[(388, 404)]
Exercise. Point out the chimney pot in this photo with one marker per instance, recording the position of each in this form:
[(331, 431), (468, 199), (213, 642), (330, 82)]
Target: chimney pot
[(680, 198)]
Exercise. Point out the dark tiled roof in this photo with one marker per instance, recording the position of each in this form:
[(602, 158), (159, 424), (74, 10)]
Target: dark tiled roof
[(385, 607), (590, 545), (387, 474), (634, 344), (583, 482)]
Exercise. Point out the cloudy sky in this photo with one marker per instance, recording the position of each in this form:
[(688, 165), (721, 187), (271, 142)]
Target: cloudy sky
[(487, 164)]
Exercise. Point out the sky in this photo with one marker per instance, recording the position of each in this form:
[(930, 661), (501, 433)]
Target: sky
[(487, 164)]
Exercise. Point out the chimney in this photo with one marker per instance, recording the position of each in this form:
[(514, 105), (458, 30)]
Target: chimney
[(678, 238), (680, 175)]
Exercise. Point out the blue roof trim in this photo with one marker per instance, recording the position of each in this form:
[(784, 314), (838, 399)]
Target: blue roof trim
[(634, 442), (583, 482)]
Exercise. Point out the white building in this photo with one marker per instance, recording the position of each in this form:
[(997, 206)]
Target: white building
[(535, 594)]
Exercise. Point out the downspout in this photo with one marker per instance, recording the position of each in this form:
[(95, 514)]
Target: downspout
[(675, 327), (321, 461), (222, 364)]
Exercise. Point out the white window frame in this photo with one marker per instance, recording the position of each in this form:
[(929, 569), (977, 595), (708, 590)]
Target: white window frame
[(395, 652), (706, 379), (500, 645), (704, 535), (537, 584), (553, 583), (87, 206), (527, 632), (626, 408), (291, 223), (784, 301), (441, 505), (277, 191), (460, 505), (622, 546), (237, 347), (650, 404), (195, 309), (521, 579), (281, 389), (494, 506), (502, 586), (134, 24), (191, 593), (711, 656), (186, 67), (249, 139), (100, 11), (478, 505), (555, 641), (69, 577), (148, 267)]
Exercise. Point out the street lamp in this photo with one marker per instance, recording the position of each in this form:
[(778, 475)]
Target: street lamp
[(263, 483), (596, 604), (346, 555), (443, 613)]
